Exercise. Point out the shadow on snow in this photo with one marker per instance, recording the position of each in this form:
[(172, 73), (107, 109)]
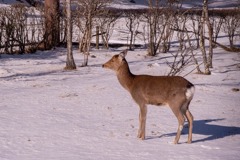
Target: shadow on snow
[(213, 131), (204, 127)]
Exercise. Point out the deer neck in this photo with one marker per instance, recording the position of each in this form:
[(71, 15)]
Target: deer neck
[(124, 75)]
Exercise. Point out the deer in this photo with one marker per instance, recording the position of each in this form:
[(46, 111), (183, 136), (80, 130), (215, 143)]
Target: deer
[(173, 91)]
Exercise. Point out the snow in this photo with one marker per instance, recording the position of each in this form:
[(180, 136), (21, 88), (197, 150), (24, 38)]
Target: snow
[(47, 113), (6, 3)]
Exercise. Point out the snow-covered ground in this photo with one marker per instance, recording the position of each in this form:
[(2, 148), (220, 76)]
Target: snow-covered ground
[(48, 113)]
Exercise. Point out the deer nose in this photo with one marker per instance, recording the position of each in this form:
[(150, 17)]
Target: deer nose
[(103, 66)]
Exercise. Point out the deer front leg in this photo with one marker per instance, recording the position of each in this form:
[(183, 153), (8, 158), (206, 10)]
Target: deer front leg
[(142, 121)]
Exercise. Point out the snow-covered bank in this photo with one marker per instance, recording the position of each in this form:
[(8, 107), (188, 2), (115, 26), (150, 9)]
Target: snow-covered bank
[(48, 113)]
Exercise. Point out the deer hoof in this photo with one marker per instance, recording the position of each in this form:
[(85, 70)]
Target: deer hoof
[(141, 137)]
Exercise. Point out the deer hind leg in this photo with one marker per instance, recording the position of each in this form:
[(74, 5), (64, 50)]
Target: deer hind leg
[(181, 120), (190, 124), (176, 107), (189, 117), (142, 121)]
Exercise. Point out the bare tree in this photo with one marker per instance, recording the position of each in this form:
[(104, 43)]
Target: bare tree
[(106, 24), (202, 38), (191, 50), (51, 35), (8, 29), (19, 29), (88, 9), (217, 22), (159, 21), (180, 61), (20, 26), (195, 25), (210, 34), (231, 26), (70, 64), (152, 21), (180, 24), (14, 28), (132, 23)]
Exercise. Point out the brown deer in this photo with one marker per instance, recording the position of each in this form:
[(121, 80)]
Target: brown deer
[(174, 91)]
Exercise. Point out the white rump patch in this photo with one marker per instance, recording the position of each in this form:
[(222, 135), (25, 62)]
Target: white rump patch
[(190, 92)]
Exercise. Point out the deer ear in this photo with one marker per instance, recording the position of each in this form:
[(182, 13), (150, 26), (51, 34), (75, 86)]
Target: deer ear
[(123, 54)]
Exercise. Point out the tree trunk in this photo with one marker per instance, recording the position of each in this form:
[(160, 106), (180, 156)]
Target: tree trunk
[(88, 39), (70, 64), (131, 33), (151, 19), (52, 19), (97, 37), (202, 42), (210, 33)]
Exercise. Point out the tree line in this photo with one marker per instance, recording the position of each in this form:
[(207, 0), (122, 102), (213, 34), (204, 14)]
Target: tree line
[(22, 30)]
